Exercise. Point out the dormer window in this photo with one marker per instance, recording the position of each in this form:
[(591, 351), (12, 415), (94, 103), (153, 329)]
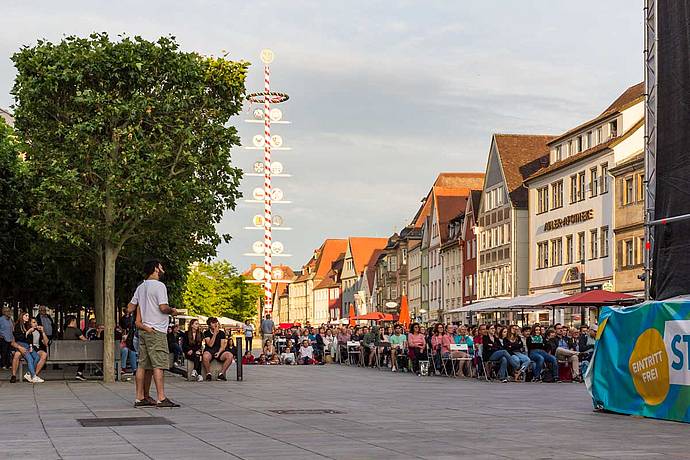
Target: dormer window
[(558, 153), (578, 144), (613, 128)]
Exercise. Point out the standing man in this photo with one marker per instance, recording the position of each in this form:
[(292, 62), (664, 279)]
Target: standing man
[(267, 328), (248, 334), (151, 303), (44, 319)]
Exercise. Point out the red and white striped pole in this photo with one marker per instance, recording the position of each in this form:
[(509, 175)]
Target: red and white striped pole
[(268, 237)]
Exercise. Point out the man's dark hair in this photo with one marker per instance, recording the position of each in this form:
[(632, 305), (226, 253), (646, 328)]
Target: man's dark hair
[(150, 266), (211, 320), (268, 316), (69, 319)]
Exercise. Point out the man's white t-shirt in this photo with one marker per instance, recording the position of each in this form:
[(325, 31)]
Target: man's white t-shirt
[(149, 296)]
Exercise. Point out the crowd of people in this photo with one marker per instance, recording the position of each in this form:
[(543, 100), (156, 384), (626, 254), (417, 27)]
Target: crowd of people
[(505, 352)]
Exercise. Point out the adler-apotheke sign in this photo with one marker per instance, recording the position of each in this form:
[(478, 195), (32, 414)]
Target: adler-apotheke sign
[(569, 220)]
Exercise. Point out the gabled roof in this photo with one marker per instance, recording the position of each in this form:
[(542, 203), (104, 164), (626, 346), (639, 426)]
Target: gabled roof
[(328, 281), (630, 97), (586, 153), (327, 254), (363, 248), (447, 181), (475, 198), (448, 207), (521, 155)]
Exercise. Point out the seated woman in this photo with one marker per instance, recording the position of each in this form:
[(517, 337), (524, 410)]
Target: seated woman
[(288, 356), (269, 350), (191, 348), (536, 347), (440, 345), (461, 338), (30, 355), (494, 352), (248, 358), (329, 343), (38, 340), (371, 342), (416, 343), (513, 345), (306, 353)]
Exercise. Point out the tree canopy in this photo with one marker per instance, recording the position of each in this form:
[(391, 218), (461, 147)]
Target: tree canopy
[(216, 289)]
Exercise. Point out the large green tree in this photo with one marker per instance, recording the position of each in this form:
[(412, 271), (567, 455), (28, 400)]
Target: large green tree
[(129, 140), (216, 289)]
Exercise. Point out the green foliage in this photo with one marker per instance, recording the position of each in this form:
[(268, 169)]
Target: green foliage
[(128, 138), (216, 289)]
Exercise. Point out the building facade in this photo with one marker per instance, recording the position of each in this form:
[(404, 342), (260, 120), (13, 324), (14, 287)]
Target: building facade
[(357, 275), (503, 233), (468, 248), (451, 260), (572, 200)]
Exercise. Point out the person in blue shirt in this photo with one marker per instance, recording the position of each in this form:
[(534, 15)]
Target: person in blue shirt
[(462, 338)]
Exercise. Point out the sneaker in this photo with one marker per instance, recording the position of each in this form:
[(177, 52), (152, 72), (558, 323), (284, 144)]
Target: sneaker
[(166, 403), (146, 402), (504, 381), (209, 377), (80, 377), (536, 380), (194, 374), (393, 369), (38, 379), (222, 377), (13, 379), (28, 378), (199, 378)]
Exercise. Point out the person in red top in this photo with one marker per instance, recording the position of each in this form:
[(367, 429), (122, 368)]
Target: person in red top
[(416, 343), (440, 344)]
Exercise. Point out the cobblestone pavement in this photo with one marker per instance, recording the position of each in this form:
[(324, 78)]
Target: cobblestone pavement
[(381, 415)]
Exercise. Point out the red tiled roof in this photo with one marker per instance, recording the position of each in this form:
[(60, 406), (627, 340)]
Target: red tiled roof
[(630, 96), (328, 281), (448, 207), (329, 251), (447, 180), (521, 155), (362, 250)]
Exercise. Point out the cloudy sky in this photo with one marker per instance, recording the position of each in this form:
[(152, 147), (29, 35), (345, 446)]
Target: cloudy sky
[(383, 95)]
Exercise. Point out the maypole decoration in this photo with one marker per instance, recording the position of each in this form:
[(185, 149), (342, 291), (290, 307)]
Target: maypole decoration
[(268, 195)]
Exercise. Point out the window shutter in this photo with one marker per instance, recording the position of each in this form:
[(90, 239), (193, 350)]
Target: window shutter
[(619, 255)]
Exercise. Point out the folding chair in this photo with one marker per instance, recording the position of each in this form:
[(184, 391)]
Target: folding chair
[(354, 349), (462, 347)]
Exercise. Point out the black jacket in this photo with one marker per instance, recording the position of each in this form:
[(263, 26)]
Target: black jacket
[(513, 347), (583, 347), (490, 346), (187, 345), (532, 345)]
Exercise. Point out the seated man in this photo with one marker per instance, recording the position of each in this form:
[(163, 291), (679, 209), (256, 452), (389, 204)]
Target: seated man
[(215, 342), (588, 338), (565, 350)]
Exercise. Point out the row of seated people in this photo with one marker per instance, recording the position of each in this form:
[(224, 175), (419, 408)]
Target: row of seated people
[(517, 353), (286, 352)]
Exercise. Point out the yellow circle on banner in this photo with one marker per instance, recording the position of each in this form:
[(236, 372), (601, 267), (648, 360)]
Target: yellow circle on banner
[(648, 366)]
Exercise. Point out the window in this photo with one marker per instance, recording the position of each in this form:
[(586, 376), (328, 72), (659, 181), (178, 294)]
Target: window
[(581, 186), (557, 195), (569, 249), (556, 252), (613, 128), (393, 263), (640, 250), (578, 144), (542, 200), (629, 257), (604, 244), (573, 189), (506, 232), (628, 191), (558, 154), (593, 243), (604, 178), (597, 136), (404, 256), (589, 140), (640, 187), (566, 148), (543, 254), (593, 182), (581, 247)]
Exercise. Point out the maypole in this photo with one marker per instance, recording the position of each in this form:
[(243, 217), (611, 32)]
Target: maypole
[(268, 195)]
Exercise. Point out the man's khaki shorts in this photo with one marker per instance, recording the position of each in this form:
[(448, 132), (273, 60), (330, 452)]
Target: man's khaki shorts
[(153, 350)]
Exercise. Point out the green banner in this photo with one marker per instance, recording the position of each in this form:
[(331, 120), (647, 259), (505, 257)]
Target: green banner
[(641, 362)]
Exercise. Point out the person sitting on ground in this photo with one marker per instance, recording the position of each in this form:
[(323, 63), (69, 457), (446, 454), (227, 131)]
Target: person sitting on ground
[(288, 356), (565, 351), (513, 345), (248, 358), (538, 353), (20, 335), (306, 353), (462, 338), (269, 351), (191, 347), (398, 345), (261, 359), (371, 342), (215, 341), (494, 352), (416, 343), (72, 332), (38, 341)]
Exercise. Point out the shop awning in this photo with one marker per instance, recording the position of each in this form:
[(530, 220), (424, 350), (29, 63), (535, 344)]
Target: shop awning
[(523, 302), (593, 298)]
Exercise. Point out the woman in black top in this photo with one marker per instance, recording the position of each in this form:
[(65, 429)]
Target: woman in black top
[(21, 332), (513, 345), (191, 347), (493, 351), (38, 340), (537, 349)]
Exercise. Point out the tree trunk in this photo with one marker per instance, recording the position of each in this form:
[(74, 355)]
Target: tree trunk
[(98, 297), (110, 252)]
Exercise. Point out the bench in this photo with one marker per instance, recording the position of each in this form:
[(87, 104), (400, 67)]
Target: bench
[(77, 352)]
